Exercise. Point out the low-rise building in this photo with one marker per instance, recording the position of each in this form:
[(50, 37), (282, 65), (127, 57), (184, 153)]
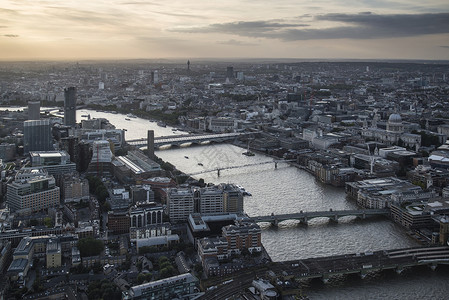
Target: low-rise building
[(175, 287)]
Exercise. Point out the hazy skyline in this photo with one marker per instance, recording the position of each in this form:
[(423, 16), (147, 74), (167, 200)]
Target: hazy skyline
[(224, 29)]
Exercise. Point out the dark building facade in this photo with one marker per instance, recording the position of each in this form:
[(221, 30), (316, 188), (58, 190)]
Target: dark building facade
[(70, 106), (37, 136)]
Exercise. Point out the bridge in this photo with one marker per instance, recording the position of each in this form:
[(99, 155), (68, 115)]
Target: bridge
[(177, 140), (325, 268), (275, 162), (364, 262), (334, 215)]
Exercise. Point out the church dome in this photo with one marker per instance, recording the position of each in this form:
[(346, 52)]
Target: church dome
[(395, 118)]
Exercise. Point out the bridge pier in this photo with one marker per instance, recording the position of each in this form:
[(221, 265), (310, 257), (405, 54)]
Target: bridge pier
[(433, 267), (274, 222), (325, 278), (275, 164), (333, 219), (218, 172)]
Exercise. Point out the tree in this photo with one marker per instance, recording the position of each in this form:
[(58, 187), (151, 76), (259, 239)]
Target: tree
[(48, 222), (90, 246), (141, 278)]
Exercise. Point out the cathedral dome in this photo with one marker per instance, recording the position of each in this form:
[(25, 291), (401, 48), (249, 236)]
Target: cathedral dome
[(395, 118)]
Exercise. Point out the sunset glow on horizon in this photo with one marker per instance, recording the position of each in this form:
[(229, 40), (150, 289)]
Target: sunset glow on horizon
[(55, 30)]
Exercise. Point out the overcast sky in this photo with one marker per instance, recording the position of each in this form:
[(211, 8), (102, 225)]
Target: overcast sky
[(95, 29)]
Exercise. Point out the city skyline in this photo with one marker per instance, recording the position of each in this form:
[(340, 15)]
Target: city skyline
[(233, 29)]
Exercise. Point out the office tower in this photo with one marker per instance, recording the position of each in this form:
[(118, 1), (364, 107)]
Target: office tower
[(37, 136), (152, 76), (34, 108), (180, 204), (232, 198), (155, 77), (208, 200), (32, 190), (150, 144), (188, 65), (230, 73), (70, 106), (100, 163)]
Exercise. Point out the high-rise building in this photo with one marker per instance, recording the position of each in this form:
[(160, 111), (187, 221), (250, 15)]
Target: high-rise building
[(37, 136), (32, 190), (232, 198), (230, 73), (70, 106), (155, 77), (100, 163), (180, 204), (150, 144), (209, 200), (34, 108)]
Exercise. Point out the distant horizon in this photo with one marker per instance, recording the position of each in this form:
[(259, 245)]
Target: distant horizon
[(192, 60), (122, 29)]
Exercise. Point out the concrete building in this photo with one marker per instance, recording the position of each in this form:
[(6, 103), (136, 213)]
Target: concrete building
[(232, 198), (208, 200), (100, 163), (115, 136), (74, 189), (136, 166), (7, 151), (382, 192), (144, 214), (53, 254), (141, 193), (32, 191), (56, 163), (70, 106), (176, 287), (222, 124), (180, 204), (37, 136)]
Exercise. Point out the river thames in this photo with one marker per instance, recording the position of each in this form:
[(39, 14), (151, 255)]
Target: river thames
[(287, 190)]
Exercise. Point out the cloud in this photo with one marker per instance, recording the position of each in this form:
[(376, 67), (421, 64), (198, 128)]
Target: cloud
[(233, 42), (242, 28), (11, 35), (445, 47), (365, 25), (140, 3), (178, 15)]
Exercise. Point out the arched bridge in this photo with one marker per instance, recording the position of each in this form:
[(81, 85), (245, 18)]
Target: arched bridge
[(177, 140), (334, 215)]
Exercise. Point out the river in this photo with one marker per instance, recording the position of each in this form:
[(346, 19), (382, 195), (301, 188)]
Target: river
[(287, 190)]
